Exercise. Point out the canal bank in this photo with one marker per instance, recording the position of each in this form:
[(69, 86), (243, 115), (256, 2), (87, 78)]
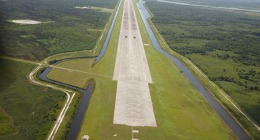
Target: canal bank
[(222, 113), (79, 116), (104, 47), (87, 93)]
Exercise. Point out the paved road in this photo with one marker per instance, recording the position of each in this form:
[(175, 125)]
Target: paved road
[(133, 101)]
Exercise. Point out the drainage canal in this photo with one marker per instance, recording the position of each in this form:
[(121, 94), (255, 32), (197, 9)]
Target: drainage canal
[(76, 123), (223, 114)]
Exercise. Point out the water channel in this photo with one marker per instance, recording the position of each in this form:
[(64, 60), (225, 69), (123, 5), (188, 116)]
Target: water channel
[(104, 47), (223, 114), (75, 127), (77, 121)]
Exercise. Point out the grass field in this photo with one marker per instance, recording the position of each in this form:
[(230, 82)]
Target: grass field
[(71, 77), (181, 112), (213, 64), (174, 99), (6, 123), (27, 111)]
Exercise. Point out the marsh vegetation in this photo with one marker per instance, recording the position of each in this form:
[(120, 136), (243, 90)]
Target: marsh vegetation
[(67, 28), (27, 111), (248, 4), (225, 45)]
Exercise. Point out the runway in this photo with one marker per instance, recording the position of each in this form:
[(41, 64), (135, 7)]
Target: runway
[(133, 105)]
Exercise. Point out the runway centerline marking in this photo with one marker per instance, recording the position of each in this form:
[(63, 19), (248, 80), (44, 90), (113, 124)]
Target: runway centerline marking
[(133, 101)]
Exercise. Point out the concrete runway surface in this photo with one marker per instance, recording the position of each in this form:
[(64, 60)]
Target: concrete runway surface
[(133, 101)]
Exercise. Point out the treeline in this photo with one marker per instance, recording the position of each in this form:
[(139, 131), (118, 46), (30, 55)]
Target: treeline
[(225, 45), (66, 28), (251, 4), (225, 31), (63, 12)]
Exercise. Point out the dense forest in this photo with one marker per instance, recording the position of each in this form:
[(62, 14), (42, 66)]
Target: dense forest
[(28, 111), (32, 109), (249, 4), (224, 44), (64, 27)]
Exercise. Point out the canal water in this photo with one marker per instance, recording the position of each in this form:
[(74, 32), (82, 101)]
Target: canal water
[(223, 114), (104, 47), (78, 120)]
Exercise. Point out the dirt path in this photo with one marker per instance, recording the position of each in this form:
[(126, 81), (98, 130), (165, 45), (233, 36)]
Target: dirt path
[(65, 107)]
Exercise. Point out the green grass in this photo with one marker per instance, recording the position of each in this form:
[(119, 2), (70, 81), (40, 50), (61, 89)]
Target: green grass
[(181, 112), (60, 56), (105, 90), (76, 78), (33, 109), (65, 125), (218, 93), (100, 110), (71, 77), (69, 29), (6, 123), (214, 64), (85, 53), (98, 123), (176, 103), (175, 99)]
